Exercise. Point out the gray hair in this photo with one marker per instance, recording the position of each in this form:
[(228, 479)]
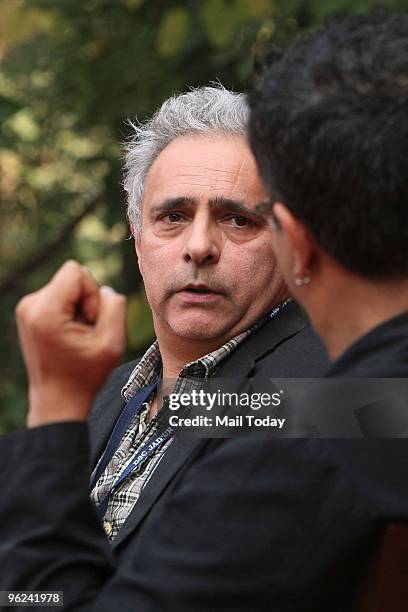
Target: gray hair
[(204, 110)]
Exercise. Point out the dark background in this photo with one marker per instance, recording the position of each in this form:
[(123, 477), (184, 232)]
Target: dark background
[(71, 72)]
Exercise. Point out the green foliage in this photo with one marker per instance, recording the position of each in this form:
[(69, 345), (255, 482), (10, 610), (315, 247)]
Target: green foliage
[(8, 108), (140, 323), (70, 74), (173, 32)]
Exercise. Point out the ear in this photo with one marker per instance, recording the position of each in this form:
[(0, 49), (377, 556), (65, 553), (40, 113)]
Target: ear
[(295, 244)]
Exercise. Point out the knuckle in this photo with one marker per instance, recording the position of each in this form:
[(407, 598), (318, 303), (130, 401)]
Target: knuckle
[(24, 308), (35, 320), (21, 307), (71, 263), (72, 267), (31, 314)]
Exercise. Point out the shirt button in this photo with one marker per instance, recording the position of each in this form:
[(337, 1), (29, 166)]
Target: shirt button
[(108, 528)]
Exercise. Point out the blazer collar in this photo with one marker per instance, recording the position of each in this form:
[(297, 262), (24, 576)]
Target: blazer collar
[(263, 341)]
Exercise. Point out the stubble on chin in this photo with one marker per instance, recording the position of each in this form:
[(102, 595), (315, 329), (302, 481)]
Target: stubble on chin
[(199, 329)]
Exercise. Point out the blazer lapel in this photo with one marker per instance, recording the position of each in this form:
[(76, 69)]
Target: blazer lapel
[(176, 455), (265, 340), (179, 451)]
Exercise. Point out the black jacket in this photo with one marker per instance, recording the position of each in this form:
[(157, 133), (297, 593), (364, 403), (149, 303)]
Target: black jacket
[(285, 347), (242, 524)]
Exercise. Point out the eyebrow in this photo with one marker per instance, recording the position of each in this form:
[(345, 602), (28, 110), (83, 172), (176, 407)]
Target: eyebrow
[(171, 204), (235, 206), (218, 202)]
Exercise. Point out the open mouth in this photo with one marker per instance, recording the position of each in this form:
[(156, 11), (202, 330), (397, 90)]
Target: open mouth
[(198, 293), (198, 289)]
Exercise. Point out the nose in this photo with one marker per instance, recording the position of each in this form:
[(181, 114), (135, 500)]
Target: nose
[(202, 241)]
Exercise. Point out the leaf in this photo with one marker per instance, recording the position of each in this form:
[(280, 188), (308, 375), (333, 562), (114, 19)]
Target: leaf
[(8, 107), (173, 32), (220, 21), (223, 20), (254, 9), (6, 141)]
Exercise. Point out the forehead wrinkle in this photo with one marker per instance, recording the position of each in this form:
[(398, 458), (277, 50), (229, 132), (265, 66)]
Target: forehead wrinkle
[(201, 174), (213, 184), (219, 170), (201, 168), (239, 172), (236, 178), (197, 176)]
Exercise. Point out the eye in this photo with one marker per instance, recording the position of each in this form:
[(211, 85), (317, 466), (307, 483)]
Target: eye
[(239, 221), (172, 217), (242, 221)]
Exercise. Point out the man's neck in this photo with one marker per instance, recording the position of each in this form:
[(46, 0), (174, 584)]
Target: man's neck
[(177, 352), (348, 307)]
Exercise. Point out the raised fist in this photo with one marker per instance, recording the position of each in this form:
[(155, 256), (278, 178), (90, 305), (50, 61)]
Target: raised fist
[(72, 333)]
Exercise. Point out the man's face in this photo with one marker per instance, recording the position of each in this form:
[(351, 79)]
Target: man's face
[(205, 256)]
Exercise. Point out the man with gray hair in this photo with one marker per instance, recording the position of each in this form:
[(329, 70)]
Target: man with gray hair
[(210, 277), (220, 307)]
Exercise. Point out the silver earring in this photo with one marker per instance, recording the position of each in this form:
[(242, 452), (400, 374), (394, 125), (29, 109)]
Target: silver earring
[(302, 281)]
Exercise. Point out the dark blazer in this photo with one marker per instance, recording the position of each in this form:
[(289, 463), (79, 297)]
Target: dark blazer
[(246, 524), (285, 347)]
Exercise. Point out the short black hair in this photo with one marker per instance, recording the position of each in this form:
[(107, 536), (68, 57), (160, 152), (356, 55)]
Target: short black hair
[(329, 130)]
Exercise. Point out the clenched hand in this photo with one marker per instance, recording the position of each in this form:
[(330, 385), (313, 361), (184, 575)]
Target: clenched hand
[(72, 334)]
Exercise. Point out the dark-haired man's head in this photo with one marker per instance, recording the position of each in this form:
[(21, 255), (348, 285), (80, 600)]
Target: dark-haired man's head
[(329, 130)]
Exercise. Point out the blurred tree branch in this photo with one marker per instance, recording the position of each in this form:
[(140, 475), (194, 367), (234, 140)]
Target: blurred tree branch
[(13, 279)]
